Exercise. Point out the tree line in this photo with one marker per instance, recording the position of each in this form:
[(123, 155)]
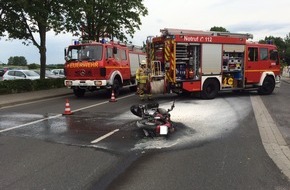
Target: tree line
[(30, 20), (17, 61), (92, 19)]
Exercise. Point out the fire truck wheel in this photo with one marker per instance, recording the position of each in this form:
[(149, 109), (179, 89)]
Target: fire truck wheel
[(210, 89), (116, 87), (79, 92), (268, 86)]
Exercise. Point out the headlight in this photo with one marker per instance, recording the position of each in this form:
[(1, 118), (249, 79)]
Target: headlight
[(68, 83), (98, 83)]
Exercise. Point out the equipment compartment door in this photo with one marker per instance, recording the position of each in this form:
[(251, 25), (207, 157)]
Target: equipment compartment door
[(211, 59)]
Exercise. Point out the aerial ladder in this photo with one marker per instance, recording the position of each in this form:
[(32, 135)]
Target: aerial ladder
[(172, 31)]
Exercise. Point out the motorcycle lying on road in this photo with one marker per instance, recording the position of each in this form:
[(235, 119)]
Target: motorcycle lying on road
[(155, 121)]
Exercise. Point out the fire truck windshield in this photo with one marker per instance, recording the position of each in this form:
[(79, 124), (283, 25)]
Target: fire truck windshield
[(85, 53)]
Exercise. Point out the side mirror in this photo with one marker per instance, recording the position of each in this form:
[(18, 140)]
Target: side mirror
[(115, 51), (66, 56)]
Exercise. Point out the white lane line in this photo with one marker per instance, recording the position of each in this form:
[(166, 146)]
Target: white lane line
[(101, 103), (30, 123), (104, 136), (59, 115)]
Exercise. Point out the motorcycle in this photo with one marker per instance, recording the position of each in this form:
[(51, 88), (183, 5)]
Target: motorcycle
[(155, 121)]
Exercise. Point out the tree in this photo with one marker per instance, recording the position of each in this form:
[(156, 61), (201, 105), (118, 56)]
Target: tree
[(287, 49), (218, 29), (17, 61), (97, 19), (33, 66), (24, 19)]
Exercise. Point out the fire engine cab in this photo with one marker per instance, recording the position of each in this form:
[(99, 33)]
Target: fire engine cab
[(92, 66), (208, 62)]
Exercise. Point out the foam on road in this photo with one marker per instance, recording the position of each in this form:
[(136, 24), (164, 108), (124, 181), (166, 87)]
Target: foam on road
[(199, 121)]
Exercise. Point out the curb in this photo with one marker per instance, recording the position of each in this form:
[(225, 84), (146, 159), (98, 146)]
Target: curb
[(13, 99), (285, 79), (272, 139)]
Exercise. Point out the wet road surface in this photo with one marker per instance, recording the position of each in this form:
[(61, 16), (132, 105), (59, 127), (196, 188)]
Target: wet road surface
[(216, 146)]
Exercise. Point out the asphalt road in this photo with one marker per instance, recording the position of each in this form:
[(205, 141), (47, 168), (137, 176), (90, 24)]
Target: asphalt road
[(217, 145)]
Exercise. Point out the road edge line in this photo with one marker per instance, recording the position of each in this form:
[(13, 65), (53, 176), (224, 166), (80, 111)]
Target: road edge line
[(272, 139)]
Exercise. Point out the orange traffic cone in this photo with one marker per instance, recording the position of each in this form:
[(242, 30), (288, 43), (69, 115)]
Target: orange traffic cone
[(113, 99), (67, 110)]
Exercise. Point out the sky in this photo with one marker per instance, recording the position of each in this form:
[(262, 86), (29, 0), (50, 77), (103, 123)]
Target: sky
[(260, 17)]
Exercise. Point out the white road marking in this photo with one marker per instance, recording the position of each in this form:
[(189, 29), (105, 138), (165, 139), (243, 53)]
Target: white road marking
[(30, 123), (101, 103), (59, 115), (104, 136)]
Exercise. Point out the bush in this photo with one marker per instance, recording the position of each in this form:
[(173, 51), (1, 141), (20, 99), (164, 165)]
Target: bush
[(3, 88), (48, 83), (18, 86)]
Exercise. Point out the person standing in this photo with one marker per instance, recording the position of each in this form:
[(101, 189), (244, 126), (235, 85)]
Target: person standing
[(143, 81)]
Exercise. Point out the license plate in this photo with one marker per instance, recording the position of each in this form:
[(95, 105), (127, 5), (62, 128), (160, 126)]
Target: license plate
[(163, 130)]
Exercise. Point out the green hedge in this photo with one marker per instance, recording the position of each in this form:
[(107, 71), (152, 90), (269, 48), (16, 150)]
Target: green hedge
[(18, 86)]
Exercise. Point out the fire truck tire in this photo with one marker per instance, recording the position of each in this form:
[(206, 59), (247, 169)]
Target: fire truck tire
[(268, 86), (79, 92), (210, 89), (116, 87)]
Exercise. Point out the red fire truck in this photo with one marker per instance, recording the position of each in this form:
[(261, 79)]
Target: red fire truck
[(208, 62), (94, 65)]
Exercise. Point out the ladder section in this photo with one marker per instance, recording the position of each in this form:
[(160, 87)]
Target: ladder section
[(135, 48), (156, 69), (172, 31)]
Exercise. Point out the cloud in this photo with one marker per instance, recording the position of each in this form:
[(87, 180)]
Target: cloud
[(260, 18), (261, 30)]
